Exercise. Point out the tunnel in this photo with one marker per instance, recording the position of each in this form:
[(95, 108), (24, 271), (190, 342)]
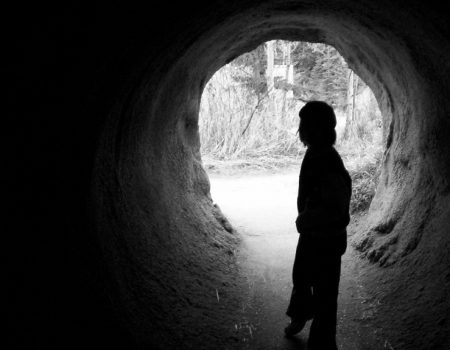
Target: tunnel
[(137, 251)]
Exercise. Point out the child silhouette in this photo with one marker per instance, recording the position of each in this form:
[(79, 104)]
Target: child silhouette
[(323, 215)]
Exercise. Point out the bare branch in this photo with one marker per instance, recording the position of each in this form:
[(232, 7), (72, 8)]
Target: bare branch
[(260, 99)]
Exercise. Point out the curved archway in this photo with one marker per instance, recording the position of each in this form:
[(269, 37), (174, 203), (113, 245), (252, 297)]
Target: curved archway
[(164, 220), (158, 245)]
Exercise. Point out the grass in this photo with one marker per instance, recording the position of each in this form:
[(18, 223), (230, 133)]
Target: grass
[(236, 124)]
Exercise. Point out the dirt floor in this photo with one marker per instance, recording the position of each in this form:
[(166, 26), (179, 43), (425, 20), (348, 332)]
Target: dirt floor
[(262, 207)]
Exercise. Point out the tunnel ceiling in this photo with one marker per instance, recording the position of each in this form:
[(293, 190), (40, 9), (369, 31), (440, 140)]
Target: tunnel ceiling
[(143, 232)]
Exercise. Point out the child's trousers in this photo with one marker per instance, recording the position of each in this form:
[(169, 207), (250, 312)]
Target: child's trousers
[(316, 276)]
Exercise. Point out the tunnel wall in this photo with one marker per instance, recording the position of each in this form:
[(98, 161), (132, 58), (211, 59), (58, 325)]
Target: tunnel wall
[(137, 255)]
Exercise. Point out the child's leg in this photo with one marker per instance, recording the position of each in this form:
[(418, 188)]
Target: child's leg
[(301, 303), (325, 292)]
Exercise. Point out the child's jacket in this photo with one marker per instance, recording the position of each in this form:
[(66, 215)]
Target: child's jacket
[(325, 189)]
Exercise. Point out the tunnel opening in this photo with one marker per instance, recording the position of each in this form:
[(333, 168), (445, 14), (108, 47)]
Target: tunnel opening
[(251, 152), (248, 120), (170, 259)]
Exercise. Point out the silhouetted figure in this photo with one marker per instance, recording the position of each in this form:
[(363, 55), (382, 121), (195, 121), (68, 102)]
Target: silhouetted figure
[(323, 215)]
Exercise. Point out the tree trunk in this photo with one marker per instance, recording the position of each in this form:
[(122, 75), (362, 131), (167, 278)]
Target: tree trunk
[(269, 75), (269, 70), (355, 92), (348, 132), (351, 122), (287, 62)]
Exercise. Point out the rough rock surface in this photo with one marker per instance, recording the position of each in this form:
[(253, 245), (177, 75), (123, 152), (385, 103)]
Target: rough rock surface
[(122, 244)]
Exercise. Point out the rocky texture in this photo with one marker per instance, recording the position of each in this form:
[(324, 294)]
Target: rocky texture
[(138, 256)]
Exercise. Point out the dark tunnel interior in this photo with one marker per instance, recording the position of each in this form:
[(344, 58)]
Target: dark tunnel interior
[(116, 240)]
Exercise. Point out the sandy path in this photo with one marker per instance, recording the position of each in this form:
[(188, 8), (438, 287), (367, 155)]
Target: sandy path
[(263, 209)]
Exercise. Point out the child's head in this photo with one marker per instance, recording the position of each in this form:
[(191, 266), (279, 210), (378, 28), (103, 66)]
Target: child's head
[(317, 123)]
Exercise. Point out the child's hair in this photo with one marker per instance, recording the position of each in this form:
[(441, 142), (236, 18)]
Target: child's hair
[(317, 123)]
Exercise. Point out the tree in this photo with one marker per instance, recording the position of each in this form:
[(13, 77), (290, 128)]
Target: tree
[(320, 73), (270, 64), (351, 105), (287, 63), (252, 67)]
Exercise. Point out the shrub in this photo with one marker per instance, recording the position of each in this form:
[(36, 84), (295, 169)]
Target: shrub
[(364, 184)]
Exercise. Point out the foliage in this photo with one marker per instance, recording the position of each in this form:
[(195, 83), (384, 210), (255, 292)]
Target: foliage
[(364, 184), (253, 66), (241, 119), (320, 73)]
